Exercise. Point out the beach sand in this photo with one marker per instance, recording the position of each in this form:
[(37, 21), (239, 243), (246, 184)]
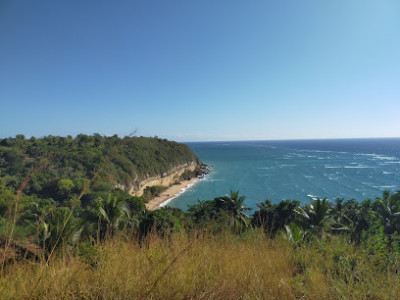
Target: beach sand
[(169, 193)]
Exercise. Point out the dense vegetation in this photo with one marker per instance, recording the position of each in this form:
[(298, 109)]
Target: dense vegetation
[(55, 245), (72, 161), (59, 167), (115, 248)]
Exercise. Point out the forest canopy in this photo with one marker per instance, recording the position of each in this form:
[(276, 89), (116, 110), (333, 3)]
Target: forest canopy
[(66, 163)]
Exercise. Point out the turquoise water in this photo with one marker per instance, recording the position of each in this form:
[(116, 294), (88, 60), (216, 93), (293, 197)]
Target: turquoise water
[(348, 168)]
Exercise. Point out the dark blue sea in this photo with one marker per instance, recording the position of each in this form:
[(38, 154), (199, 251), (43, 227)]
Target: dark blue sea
[(297, 170)]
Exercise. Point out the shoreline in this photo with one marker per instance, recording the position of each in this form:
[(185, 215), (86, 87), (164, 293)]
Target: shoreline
[(170, 193)]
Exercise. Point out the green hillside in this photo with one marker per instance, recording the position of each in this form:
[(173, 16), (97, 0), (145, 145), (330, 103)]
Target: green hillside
[(64, 164)]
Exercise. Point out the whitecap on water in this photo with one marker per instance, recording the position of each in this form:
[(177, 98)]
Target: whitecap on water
[(383, 157), (389, 163), (357, 167), (384, 186), (332, 167)]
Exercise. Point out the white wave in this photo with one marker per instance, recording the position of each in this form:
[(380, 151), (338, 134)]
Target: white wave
[(357, 167), (285, 165), (332, 167), (386, 173), (216, 179), (183, 190), (367, 154), (312, 197), (389, 163), (317, 151), (308, 176), (178, 194), (383, 157), (384, 186), (172, 198)]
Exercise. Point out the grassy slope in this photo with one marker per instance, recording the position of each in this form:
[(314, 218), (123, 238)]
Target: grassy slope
[(222, 267)]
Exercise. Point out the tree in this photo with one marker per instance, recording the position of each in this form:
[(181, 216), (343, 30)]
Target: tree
[(133, 210), (57, 228), (203, 212), (316, 216), (104, 216), (161, 221), (65, 187), (234, 207), (388, 209), (273, 217)]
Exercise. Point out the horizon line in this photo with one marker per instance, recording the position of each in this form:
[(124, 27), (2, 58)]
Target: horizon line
[(292, 139)]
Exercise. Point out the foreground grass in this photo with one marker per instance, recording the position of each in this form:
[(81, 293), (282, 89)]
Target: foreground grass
[(221, 267)]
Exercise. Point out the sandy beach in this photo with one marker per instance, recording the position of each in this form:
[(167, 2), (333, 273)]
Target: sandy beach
[(169, 193)]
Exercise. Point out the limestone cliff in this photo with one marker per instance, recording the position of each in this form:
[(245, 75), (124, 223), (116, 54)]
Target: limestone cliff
[(166, 179)]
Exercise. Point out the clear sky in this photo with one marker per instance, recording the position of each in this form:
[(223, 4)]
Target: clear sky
[(201, 70)]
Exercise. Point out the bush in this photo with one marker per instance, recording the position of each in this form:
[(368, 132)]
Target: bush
[(160, 221), (152, 191)]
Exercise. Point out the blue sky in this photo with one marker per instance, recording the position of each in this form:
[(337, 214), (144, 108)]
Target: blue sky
[(201, 70)]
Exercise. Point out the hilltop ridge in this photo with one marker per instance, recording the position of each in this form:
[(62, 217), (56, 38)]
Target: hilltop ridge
[(130, 163)]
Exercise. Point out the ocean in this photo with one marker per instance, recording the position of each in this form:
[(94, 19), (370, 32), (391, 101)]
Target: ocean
[(296, 170)]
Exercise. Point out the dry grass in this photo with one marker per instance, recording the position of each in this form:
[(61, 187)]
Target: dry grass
[(207, 267)]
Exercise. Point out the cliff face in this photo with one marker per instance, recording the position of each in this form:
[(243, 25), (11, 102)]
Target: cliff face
[(167, 179)]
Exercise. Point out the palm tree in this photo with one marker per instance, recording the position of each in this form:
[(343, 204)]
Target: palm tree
[(50, 225), (341, 214), (104, 216), (388, 208), (273, 217), (295, 234), (58, 229), (234, 206), (316, 216), (362, 219), (203, 212), (130, 220)]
